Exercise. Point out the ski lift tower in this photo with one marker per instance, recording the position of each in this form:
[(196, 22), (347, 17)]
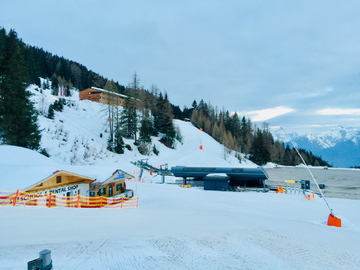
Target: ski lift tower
[(162, 170)]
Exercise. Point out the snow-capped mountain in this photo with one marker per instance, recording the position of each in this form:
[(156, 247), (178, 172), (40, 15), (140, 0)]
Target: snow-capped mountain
[(340, 146)]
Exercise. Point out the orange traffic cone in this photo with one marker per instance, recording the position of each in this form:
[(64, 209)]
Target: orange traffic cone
[(313, 196), (334, 221), (308, 197), (201, 148), (280, 189)]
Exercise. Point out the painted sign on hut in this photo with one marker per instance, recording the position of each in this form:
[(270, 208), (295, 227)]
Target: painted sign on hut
[(63, 183)]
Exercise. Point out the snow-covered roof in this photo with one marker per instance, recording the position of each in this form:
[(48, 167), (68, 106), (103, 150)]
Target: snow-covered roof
[(106, 91)]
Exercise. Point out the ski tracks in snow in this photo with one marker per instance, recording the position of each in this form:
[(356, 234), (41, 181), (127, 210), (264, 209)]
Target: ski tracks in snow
[(300, 254)]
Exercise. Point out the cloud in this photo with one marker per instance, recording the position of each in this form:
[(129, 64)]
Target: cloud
[(263, 115), (337, 111)]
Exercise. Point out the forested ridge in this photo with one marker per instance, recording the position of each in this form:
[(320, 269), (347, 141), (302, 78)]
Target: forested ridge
[(147, 112)]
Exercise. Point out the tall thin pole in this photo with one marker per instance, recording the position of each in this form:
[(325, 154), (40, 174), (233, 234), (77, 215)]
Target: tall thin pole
[(136, 174), (307, 167)]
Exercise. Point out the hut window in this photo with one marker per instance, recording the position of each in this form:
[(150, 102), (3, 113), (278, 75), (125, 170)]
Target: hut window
[(118, 187), (58, 179), (102, 191)]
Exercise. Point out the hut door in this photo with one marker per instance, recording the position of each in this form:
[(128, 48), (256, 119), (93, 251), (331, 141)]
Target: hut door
[(110, 191)]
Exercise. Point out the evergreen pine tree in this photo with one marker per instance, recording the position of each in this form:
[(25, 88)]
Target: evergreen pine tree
[(166, 126), (110, 144), (18, 118), (129, 117), (145, 129), (246, 135), (258, 153), (2, 48), (145, 138), (119, 144)]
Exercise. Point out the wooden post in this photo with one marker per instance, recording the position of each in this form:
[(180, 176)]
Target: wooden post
[(16, 196), (78, 201)]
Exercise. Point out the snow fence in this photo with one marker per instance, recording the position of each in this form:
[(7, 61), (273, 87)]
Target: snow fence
[(19, 198)]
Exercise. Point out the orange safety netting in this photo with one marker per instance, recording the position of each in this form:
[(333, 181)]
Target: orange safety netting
[(50, 200)]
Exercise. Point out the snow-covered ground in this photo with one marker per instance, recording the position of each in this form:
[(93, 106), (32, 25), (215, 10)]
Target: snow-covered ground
[(178, 228), (173, 227)]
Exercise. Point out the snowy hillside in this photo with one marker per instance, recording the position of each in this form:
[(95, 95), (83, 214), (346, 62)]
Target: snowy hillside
[(339, 146), (78, 136)]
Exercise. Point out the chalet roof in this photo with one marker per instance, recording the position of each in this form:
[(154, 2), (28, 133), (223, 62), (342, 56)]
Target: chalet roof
[(126, 176), (109, 92), (114, 179), (61, 172)]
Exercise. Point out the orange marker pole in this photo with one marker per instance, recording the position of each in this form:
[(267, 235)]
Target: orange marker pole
[(78, 201), (122, 199), (137, 201), (16, 196), (49, 199), (100, 201)]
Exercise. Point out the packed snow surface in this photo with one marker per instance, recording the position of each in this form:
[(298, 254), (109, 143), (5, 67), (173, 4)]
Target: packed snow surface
[(173, 227), (176, 228)]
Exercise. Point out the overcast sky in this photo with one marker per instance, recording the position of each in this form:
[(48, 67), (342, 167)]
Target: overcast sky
[(294, 64)]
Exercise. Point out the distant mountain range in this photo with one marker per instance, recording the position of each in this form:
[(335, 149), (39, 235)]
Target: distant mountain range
[(339, 146)]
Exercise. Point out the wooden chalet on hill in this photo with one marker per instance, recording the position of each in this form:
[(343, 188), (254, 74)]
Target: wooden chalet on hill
[(103, 96)]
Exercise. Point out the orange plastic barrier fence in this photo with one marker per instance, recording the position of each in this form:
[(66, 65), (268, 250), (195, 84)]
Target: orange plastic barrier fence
[(142, 180), (50, 200)]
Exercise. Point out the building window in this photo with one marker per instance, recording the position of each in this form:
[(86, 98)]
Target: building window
[(118, 187), (58, 179), (102, 191)]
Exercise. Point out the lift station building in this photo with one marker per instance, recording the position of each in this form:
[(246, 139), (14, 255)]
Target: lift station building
[(222, 178)]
